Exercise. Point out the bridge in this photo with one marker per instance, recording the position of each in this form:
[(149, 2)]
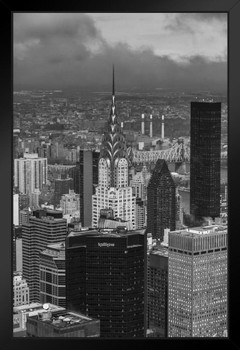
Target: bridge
[(178, 154)]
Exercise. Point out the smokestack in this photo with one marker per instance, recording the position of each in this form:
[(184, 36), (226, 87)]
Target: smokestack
[(151, 130), (142, 124), (162, 127)]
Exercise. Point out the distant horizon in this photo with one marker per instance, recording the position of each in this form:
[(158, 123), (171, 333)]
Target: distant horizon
[(107, 89)]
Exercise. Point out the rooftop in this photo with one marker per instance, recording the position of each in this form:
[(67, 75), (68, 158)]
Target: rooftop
[(159, 250), (204, 230), (62, 319), (32, 307)]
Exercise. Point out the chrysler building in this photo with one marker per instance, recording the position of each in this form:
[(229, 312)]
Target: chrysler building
[(113, 190)]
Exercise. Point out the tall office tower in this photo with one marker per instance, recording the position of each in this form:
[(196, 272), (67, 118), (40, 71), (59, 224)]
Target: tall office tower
[(205, 159), (53, 274), (158, 291), (85, 181), (106, 279), (140, 214), (20, 290), (70, 203), (61, 186), (44, 227), (161, 201), (197, 282), (30, 173), (113, 190)]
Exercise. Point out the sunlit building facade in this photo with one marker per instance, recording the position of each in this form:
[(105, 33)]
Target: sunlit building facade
[(113, 190), (30, 173), (197, 282)]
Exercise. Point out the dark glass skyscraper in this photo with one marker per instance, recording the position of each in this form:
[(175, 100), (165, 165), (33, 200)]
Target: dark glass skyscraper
[(106, 279), (158, 291), (161, 201), (85, 180), (205, 159)]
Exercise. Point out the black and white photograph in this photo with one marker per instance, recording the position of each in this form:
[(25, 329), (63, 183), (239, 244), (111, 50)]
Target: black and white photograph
[(120, 175)]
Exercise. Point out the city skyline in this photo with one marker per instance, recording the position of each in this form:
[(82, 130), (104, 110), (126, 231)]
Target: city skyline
[(95, 275), (151, 50)]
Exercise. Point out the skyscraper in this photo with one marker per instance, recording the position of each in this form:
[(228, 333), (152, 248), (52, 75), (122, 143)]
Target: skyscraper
[(113, 190), (44, 227), (30, 173), (205, 159), (197, 282), (85, 181), (158, 291), (106, 279), (161, 201), (53, 274)]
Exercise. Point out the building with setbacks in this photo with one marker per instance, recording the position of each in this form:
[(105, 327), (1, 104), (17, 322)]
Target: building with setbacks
[(44, 227), (161, 201)]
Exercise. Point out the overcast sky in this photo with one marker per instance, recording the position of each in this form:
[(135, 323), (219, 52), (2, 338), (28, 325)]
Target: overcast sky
[(148, 50)]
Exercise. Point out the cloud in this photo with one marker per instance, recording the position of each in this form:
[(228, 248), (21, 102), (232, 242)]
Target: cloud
[(53, 51), (190, 22), (51, 35)]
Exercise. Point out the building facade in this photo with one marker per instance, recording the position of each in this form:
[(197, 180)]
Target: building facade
[(20, 290), (62, 186), (106, 279), (62, 324), (85, 181), (70, 203), (161, 201), (113, 190), (30, 173), (21, 313), (44, 227), (53, 274), (158, 291), (197, 282), (205, 159)]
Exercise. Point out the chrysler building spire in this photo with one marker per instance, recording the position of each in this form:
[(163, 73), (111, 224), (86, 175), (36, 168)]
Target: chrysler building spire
[(114, 145), (113, 190)]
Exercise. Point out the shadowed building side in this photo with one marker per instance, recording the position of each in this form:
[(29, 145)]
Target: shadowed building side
[(161, 201), (205, 159)]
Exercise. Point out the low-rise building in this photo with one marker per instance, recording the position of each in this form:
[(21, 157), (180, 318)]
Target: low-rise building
[(62, 323)]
